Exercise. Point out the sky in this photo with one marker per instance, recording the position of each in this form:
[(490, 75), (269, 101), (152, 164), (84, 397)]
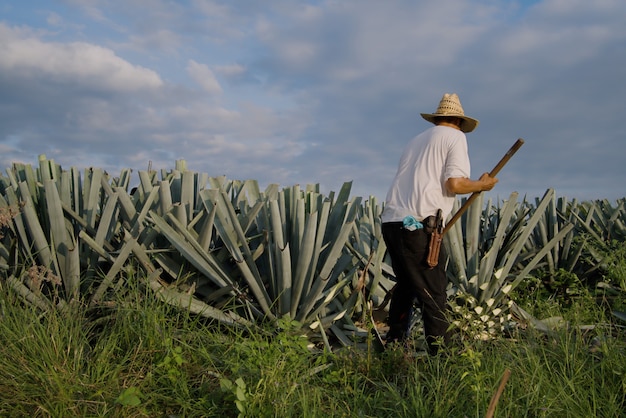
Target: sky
[(317, 92)]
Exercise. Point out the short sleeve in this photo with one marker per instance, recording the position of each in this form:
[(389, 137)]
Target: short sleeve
[(457, 163)]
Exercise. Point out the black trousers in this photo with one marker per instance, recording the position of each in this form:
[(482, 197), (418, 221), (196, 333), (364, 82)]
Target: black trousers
[(415, 279)]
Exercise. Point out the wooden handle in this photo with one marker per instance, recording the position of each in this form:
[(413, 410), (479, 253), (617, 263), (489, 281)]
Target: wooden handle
[(492, 173), (506, 157)]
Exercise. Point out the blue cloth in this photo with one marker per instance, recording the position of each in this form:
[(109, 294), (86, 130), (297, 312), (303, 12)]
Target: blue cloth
[(411, 223)]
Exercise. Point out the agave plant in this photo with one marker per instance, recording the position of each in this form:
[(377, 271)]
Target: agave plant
[(601, 229), (222, 248), (280, 252), (229, 251), (604, 220), (484, 275), (75, 238)]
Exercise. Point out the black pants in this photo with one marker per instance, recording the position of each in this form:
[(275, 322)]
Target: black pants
[(408, 251)]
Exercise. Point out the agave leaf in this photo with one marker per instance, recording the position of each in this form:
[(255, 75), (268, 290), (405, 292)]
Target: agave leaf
[(342, 234), (339, 211), (123, 181), (205, 235), (553, 228), (165, 198), (219, 183), (63, 241), (454, 243), (96, 247), (117, 266), (296, 213), (271, 192), (304, 266), (46, 169), (148, 204), (189, 249), (64, 186), (11, 181), (571, 256), (188, 193), (35, 231), (19, 287), (105, 189), (586, 224), (322, 279), (341, 336), (284, 278), (234, 238), (487, 263), (91, 199), (521, 239), (531, 265), (108, 220), (472, 235), (353, 298), (282, 285), (20, 226), (145, 183), (247, 220), (183, 300), (128, 213), (251, 191), (77, 191)]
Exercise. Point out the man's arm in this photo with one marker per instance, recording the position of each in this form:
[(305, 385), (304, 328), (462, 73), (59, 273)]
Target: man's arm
[(463, 185)]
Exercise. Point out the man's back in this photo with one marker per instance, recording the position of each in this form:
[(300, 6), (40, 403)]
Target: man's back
[(418, 188)]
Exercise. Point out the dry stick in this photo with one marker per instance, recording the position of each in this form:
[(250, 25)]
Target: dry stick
[(492, 173), (496, 396)]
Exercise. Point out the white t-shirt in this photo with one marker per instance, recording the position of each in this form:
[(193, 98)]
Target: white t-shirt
[(431, 158)]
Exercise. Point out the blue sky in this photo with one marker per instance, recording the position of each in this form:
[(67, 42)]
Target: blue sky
[(296, 92)]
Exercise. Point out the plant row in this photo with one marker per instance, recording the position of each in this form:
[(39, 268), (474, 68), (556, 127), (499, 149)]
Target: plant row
[(229, 251)]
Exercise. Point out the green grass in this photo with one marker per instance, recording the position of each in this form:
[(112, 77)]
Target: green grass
[(144, 358)]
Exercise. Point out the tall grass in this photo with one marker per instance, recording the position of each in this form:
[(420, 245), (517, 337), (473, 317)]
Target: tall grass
[(140, 357)]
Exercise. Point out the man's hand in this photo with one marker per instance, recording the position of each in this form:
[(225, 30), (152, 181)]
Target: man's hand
[(488, 182)]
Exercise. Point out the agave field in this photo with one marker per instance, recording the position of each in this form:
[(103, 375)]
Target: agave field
[(264, 262), (228, 251)]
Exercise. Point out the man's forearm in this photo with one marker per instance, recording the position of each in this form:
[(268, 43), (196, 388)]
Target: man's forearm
[(463, 185)]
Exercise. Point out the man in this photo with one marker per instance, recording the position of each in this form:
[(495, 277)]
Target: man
[(433, 169)]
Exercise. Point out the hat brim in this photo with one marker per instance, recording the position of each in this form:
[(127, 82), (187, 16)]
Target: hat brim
[(467, 126)]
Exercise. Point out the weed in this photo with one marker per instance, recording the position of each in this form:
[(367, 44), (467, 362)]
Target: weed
[(130, 397), (145, 358), (237, 393)]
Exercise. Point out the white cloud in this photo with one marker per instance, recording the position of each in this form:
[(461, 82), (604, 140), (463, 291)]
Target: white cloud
[(76, 62), (203, 75)]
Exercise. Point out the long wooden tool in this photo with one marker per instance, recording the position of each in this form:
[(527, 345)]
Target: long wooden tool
[(492, 173), (436, 238)]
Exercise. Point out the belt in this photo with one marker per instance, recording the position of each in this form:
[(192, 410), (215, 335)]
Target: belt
[(429, 221)]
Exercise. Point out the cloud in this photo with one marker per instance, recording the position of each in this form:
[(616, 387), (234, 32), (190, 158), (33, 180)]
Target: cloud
[(321, 91), (203, 75), (85, 105), (24, 56), (233, 70)]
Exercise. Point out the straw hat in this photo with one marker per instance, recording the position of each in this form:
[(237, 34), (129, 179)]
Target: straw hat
[(450, 105)]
